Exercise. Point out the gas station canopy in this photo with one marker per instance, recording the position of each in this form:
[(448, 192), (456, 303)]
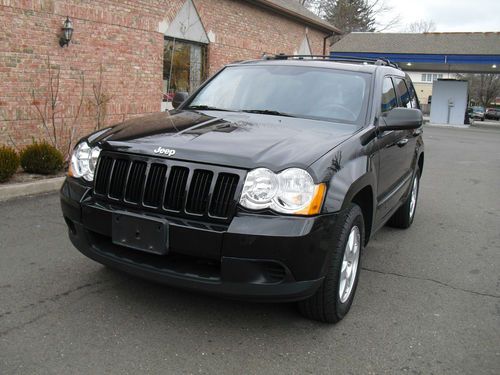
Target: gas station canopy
[(426, 52)]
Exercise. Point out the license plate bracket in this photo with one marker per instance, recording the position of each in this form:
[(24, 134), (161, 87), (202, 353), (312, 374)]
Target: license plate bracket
[(148, 234)]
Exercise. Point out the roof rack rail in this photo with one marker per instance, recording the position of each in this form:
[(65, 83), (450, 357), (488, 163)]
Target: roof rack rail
[(349, 59)]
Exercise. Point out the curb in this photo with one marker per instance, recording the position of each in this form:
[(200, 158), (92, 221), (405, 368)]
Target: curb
[(479, 125), (30, 188), (448, 126)]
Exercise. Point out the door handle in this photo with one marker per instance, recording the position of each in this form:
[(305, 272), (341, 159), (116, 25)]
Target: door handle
[(402, 142)]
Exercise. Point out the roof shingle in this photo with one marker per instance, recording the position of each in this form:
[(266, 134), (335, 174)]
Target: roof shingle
[(295, 9), (426, 43)]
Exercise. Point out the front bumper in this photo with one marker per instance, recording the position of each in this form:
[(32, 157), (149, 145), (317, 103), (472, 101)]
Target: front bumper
[(257, 257)]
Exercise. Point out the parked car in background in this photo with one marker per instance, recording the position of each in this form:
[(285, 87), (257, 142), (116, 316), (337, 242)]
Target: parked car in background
[(468, 116), (478, 113), (492, 114)]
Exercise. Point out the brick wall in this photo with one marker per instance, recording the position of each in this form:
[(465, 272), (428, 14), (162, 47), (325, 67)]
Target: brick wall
[(121, 39), (244, 31)]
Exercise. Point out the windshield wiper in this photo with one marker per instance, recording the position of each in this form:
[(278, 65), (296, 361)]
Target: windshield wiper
[(208, 108), (267, 112)]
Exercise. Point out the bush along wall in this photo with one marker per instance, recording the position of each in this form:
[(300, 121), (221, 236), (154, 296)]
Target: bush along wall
[(41, 158), (9, 162)]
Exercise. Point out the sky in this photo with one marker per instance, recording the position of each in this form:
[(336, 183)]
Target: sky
[(447, 15)]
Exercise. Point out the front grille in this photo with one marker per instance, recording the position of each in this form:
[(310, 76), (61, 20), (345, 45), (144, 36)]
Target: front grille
[(155, 185), (101, 179), (176, 188), (198, 191), (135, 181), (164, 185), (225, 189), (118, 177)]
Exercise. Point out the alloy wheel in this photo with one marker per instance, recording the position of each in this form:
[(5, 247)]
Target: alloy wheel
[(349, 264)]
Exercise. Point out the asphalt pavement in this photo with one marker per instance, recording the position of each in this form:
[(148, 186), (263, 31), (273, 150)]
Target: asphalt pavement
[(428, 301)]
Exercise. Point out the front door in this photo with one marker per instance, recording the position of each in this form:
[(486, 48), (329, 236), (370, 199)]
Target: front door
[(394, 172)]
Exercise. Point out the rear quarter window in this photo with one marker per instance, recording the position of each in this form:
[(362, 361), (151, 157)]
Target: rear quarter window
[(389, 99), (403, 94), (413, 95)]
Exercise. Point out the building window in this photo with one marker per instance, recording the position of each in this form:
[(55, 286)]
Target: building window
[(184, 67), (430, 77)]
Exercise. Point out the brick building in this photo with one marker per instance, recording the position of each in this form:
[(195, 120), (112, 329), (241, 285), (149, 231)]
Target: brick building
[(127, 57)]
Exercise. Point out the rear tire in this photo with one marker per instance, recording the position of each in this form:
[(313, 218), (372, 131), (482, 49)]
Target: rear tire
[(403, 217), (333, 299)]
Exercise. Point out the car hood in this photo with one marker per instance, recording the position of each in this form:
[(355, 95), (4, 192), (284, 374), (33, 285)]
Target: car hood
[(227, 138)]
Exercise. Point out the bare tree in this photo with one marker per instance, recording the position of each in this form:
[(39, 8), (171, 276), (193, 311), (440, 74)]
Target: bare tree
[(99, 101), (47, 105), (72, 130), (354, 15), (350, 15), (380, 10), (483, 88), (421, 26), (315, 6), (5, 129)]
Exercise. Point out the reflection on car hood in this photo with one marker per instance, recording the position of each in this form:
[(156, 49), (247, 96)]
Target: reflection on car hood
[(227, 138)]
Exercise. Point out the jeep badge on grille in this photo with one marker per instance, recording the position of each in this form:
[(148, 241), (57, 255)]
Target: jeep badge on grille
[(164, 151)]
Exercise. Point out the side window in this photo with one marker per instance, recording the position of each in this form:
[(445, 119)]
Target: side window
[(389, 100), (403, 94), (413, 96)]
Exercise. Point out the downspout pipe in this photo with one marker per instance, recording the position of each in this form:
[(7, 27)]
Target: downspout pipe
[(324, 41)]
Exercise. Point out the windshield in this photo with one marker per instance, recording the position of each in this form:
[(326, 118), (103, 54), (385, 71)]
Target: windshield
[(296, 91)]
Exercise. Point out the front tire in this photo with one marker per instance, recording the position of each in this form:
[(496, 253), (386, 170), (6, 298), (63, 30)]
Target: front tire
[(333, 299), (403, 217)]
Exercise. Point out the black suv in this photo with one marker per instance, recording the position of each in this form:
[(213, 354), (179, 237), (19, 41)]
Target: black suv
[(264, 184)]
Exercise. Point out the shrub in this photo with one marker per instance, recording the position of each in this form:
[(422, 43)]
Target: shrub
[(41, 158), (9, 162)]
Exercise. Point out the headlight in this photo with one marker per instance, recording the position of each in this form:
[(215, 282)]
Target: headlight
[(261, 186), (292, 191), (296, 189), (84, 161)]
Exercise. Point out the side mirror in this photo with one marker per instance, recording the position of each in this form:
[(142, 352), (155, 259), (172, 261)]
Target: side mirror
[(401, 119), (179, 98)]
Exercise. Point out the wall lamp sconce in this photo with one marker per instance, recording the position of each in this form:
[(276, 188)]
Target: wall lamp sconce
[(67, 33)]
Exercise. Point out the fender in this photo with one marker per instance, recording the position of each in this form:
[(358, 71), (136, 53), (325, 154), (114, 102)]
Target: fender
[(367, 180), (346, 172)]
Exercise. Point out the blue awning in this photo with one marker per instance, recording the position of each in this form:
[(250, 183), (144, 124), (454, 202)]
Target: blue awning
[(424, 58), (433, 62)]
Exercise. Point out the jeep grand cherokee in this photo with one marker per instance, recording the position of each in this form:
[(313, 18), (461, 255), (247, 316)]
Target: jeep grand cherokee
[(265, 184)]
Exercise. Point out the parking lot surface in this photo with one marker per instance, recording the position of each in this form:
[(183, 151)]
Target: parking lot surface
[(428, 301)]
